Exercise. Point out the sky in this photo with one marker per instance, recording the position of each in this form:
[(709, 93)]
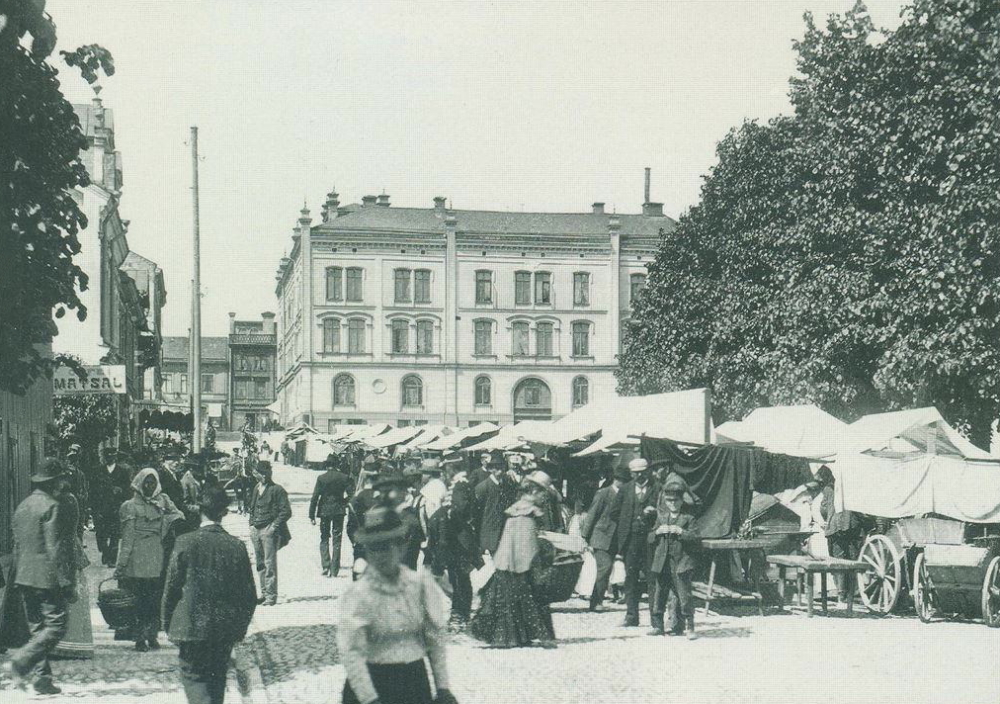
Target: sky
[(536, 106)]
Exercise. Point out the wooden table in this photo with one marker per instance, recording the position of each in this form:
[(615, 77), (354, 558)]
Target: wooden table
[(718, 545), (818, 565)]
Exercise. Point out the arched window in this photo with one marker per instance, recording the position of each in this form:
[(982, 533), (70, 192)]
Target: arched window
[(413, 391), (343, 390), (581, 391), (532, 400), (484, 391)]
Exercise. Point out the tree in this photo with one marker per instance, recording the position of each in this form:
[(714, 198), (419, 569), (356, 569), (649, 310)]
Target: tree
[(40, 144), (847, 255)]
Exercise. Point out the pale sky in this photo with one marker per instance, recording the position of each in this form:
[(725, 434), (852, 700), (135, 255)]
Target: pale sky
[(545, 106)]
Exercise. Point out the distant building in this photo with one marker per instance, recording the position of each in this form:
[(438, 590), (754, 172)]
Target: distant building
[(433, 315), (252, 358), (214, 378), (148, 279)]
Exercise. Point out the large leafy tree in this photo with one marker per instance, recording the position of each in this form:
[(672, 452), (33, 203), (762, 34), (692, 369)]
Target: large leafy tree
[(40, 144), (847, 255)]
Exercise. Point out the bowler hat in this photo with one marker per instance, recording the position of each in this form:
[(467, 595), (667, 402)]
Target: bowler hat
[(213, 501), (638, 465), (50, 469), (381, 524), (622, 473)]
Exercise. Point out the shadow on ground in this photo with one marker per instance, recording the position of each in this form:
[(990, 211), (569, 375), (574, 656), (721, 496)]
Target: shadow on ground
[(279, 653)]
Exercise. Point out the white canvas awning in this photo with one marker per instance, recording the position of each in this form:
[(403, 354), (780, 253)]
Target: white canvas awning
[(511, 436), (449, 441), (918, 430), (392, 437), (801, 431)]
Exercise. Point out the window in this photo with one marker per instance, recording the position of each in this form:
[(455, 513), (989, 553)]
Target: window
[(260, 364), (581, 391), (422, 286), (637, 284), (543, 339), (413, 391), (425, 337), (207, 383), (520, 339), (260, 388), (522, 288), (354, 284), (484, 337), (543, 288), (343, 390), (400, 336), (184, 383), (334, 284), (242, 363), (581, 339), (403, 286), (581, 288), (356, 336), (484, 287), (484, 389), (242, 388), (331, 336)]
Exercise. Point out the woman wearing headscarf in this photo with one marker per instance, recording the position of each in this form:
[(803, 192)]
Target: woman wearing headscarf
[(512, 612), (146, 520), (392, 623)]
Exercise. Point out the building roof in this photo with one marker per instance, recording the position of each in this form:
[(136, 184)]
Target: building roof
[(212, 348), (86, 113)]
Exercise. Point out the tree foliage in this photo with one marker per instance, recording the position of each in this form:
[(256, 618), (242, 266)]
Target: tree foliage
[(40, 145), (846, 255)]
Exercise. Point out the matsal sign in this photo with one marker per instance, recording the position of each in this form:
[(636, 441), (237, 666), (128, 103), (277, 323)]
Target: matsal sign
[(103, 379)]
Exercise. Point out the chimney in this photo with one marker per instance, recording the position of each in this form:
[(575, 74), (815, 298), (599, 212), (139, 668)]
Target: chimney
[(598, 208), (646, 198), (331, 205), (268, 323), (383, 200), (439, 202), (652, 210), (368, 201), (232, 323)]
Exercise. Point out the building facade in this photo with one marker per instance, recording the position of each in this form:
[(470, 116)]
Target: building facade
[(433, 315), (214, 380), (252, 359)]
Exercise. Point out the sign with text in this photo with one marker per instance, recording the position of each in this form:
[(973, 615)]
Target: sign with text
[(104, 379)]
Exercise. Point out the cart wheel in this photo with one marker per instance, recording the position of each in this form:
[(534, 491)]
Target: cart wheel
[(923, 591), (879, 587), (991, 594)]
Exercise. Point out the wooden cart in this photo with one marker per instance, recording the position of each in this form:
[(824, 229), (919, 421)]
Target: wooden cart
[(959, 580)]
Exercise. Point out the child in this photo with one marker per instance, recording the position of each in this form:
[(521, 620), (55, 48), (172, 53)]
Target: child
[(673, 534)]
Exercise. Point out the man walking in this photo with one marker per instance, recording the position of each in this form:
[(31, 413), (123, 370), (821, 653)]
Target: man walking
[(269, 514), (638, 513), (494, 495), (600, 530), (329, 504), (208, 600), (44, 547), (111, 486)]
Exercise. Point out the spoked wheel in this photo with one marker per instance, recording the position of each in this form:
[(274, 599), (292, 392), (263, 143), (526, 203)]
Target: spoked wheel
[(991, 594), (923, 590), (879, 588)]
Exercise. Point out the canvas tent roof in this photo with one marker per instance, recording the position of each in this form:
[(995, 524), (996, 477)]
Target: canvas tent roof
[(511, 436), (428, 434), (918, 430), (800, 431), (449, 441), (395, 436)]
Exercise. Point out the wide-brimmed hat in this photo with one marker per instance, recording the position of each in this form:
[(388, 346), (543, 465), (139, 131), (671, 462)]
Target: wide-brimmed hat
[(430, 465), (638, 465), (381, 524), (451, 458), (50, 469), (540, 478), (621, 473)]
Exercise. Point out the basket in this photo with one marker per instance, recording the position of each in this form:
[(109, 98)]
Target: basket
[(118, 606), (557, 581)]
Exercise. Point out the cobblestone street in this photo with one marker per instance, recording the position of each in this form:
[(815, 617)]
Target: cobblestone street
[(290, 655)]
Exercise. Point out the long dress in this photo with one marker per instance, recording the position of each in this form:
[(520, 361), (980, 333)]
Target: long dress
[(78, 643), (510, 613)]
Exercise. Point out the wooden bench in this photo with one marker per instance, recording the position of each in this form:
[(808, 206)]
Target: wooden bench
[(809, 565), (718, 546)]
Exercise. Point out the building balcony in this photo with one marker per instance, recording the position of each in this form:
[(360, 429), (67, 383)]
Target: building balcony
[(253, 338)]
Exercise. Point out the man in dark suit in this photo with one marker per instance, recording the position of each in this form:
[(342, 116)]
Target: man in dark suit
[(600, 530), (45, 556), (638, 513), (208, 600), (453, 546), (481, 473), (110, 486), (494, 495), (673, 536), (329, 504)]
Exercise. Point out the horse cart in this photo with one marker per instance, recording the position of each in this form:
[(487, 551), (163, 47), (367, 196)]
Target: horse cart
[(959, 580)]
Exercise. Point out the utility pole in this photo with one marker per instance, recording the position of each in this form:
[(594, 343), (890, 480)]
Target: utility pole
[(195, 340)]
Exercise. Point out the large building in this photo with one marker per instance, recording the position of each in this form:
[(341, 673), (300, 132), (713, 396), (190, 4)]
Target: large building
[(434, 315), (214, 380), (252, 353)]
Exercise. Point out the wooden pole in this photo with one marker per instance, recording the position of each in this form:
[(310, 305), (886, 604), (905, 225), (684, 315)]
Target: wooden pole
[(195, 340)]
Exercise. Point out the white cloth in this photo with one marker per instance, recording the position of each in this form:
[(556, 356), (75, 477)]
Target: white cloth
[(433, 492)]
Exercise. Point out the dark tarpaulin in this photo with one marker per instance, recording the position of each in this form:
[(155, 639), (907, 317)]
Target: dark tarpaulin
[(724, 478)]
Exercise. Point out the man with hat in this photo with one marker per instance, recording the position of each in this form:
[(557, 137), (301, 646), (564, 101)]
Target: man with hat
[(45, 568), (191, 485), (600, 530), (329, 504), (638, 513), (674, 532), (433, 491), (208, 600), (494, 495), (478, 475), (269, 514), (111, 486)]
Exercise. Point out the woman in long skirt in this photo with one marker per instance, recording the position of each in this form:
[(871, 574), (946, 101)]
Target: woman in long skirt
[(511, 611), (78, 642)]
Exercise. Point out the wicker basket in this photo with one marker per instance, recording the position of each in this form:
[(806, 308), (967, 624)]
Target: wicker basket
[(557, 581), (117, 606)]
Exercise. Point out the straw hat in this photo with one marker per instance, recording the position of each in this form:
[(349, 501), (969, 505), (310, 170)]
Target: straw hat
[(540, 478)]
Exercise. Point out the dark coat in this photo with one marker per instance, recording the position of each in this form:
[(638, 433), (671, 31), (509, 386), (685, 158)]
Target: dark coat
[(109, 490), (271, 507), (45, 542), (359, 506), (675, 547), (493, 500), (451, 538), (329, 499), (631, 509), (209, 594), (600, 527)]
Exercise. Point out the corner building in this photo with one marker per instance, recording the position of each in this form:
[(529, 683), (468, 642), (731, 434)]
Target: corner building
[(432, 315)]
